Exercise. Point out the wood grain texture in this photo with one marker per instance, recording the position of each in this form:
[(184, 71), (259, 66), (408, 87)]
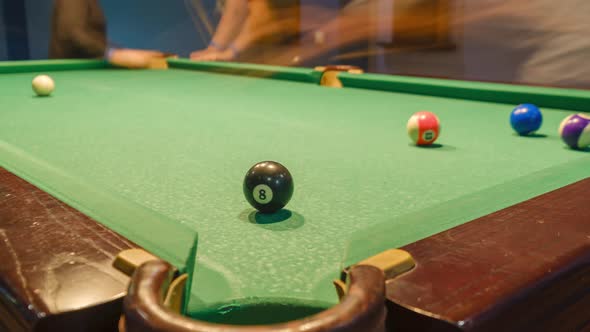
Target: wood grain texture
[(56, 269), (523, 268)]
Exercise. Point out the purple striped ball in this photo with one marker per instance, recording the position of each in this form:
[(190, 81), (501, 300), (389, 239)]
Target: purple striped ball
[(575, 131)]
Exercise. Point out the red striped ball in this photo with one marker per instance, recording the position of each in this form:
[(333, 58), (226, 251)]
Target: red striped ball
[(423, 128)]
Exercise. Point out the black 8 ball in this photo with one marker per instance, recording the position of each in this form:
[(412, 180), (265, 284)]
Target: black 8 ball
[(268, 186)]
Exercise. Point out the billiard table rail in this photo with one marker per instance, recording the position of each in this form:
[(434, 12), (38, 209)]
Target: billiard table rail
[(56, 271), (481, 277), (522, 268), (362, 309)]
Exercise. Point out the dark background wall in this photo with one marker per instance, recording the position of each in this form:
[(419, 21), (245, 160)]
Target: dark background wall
[(169, 25), (14, 29), (2, 37)]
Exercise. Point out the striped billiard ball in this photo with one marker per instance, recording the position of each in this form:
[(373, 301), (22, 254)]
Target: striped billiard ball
[(575, 131), (423, 128), (525, 119)]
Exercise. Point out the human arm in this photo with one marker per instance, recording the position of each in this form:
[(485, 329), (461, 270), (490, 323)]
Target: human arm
[(232, 22), (78, 29)]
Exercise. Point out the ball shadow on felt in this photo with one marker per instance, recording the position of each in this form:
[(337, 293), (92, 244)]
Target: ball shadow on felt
[(434, 146), (533, 135), (282, 220)]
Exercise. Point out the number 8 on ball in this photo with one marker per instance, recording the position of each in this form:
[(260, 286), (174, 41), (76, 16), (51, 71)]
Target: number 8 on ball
[(262, 194)]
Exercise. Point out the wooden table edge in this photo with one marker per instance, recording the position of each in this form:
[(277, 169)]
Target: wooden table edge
[(470, 246)]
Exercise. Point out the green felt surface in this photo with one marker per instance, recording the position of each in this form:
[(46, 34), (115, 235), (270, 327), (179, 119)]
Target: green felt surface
[(173, 147)]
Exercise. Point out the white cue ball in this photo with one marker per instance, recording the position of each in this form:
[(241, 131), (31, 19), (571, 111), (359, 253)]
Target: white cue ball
[(43, 85)]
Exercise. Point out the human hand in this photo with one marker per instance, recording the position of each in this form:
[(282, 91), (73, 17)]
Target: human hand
[(213, 55), (200, 54), (133, 58)]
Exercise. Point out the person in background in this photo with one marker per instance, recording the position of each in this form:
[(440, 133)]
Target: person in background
[(235, 13), (555, 35), (248, 28), (542, 41), (78, 30)]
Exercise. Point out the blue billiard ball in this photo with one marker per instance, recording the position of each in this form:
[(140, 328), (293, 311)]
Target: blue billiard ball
[(526, 119)]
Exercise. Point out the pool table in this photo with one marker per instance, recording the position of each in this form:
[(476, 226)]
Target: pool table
[(121, 203)]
